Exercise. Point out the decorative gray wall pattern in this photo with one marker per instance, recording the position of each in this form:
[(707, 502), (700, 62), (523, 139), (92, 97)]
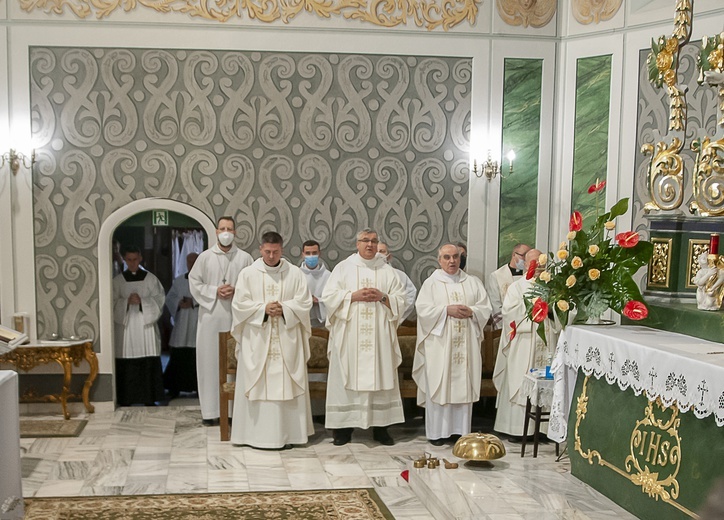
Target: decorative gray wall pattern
[(653, 121), (312, 145)]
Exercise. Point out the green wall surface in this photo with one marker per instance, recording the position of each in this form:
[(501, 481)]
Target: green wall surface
[(590, 149), (521, 133)]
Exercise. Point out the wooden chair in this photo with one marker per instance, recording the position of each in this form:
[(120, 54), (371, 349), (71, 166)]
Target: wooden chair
[(491, 343), (227, 385), (318, 363)]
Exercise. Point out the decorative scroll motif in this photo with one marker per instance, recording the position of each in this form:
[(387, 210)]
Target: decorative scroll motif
[(665, 175), (587, 12), (696, 248), (708, 178), (428, 14), (664, 63), (711, 68), (655, 456), (660, 266), (533, 13)]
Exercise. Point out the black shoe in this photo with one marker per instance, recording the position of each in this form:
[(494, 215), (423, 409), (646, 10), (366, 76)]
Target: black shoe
[(381, 435), (341, 436), (454, 438), (210, 422), (437, 442)]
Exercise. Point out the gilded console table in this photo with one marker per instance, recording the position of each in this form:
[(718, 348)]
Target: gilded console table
[(65, 353)]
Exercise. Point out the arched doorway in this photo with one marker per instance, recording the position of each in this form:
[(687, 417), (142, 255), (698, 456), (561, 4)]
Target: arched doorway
[(105, 264)]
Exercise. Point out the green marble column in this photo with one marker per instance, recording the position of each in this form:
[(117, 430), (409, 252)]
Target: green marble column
[(590, 149), (521, 133)]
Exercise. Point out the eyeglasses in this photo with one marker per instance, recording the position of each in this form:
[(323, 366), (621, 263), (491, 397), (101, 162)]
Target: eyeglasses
[(522, 255), (369, 241)]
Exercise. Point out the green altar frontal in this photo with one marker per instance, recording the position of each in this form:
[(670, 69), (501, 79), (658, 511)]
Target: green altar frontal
[(657, 463)]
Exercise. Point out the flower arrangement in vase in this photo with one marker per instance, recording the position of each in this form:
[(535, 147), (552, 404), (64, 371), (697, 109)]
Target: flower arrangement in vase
[(590, 272)]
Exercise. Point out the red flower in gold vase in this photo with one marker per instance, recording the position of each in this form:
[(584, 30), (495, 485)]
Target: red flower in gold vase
[(576, 222), (628, 239), (539, 311), (598, 186), (634, 310), (531, 269)]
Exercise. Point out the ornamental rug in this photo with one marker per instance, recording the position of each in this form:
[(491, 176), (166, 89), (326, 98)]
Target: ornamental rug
[(51, 427), (333, 504)]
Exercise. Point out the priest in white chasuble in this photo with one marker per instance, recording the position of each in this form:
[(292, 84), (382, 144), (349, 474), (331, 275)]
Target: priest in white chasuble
[(501, 279), (452, 309), (212, 283), (271, 326), (518, 356), (365, 300), (138, 299)]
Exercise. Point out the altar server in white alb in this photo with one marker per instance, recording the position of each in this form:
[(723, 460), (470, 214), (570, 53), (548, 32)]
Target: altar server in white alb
[(365, 301), (271, 326), (138, 299), (410, 289), (212, 283), (317, 274), (180, 373), (515, 359), (452, 310), (501, 279)]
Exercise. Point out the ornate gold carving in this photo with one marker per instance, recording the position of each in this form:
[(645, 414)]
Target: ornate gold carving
[(655, 451), (533, 13), (708, 178), (660, 265), (665, 175), (696, 248), (385, 13), (595, 11), (711, 66), (28, 357)]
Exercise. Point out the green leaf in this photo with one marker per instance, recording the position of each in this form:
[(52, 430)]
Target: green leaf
[(618, 209), (541, 330)]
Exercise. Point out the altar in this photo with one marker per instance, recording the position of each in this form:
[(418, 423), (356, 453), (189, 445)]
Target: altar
[(11, 493), (643, 414)]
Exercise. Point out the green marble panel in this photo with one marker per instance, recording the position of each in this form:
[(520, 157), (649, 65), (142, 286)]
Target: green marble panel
[(607, 430), (590, 148), (683, 317), (521, 133)]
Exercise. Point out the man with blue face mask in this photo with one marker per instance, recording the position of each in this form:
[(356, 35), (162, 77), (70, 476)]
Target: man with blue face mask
[(211, 282), (317, 275), (500, 280)]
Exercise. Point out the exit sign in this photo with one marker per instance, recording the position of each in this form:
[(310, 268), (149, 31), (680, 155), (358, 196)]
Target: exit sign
[(160, 217)]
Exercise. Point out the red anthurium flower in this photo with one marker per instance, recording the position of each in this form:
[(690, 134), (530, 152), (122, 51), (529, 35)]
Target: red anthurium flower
[(634, 310), (539, 311), (628, 239), (576, 222), (531, 269), (513, 330), (593, 188)]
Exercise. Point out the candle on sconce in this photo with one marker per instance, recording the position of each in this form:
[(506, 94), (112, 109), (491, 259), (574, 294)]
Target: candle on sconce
[(714, 244)]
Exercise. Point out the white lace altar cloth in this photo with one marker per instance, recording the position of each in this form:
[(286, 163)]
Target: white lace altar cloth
[(676, 368), (539, 390)]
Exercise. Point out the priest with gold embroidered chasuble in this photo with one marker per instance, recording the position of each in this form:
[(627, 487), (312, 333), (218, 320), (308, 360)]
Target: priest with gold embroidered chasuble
[(365, 301), (271, 326), (452, 309)]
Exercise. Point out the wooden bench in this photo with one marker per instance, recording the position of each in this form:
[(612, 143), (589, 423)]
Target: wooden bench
[(319, 364)]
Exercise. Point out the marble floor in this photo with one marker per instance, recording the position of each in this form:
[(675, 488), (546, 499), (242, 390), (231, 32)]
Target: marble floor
[(133, 451)]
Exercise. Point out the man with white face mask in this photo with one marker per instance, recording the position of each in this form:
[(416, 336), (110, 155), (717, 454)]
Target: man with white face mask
[(317, 274), (410, 289), (211, 281), (500, 280)]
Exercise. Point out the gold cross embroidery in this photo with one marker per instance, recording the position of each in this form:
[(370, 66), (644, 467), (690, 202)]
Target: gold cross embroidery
[(366, 283), (459, 327), (366, 329), (367, 313), (459, 358), (365, 345), (456, 297), (272, 290), (458, 341), (274, 354)]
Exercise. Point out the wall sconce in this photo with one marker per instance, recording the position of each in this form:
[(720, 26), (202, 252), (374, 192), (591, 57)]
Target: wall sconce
[(15, 159), (491, 168)]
